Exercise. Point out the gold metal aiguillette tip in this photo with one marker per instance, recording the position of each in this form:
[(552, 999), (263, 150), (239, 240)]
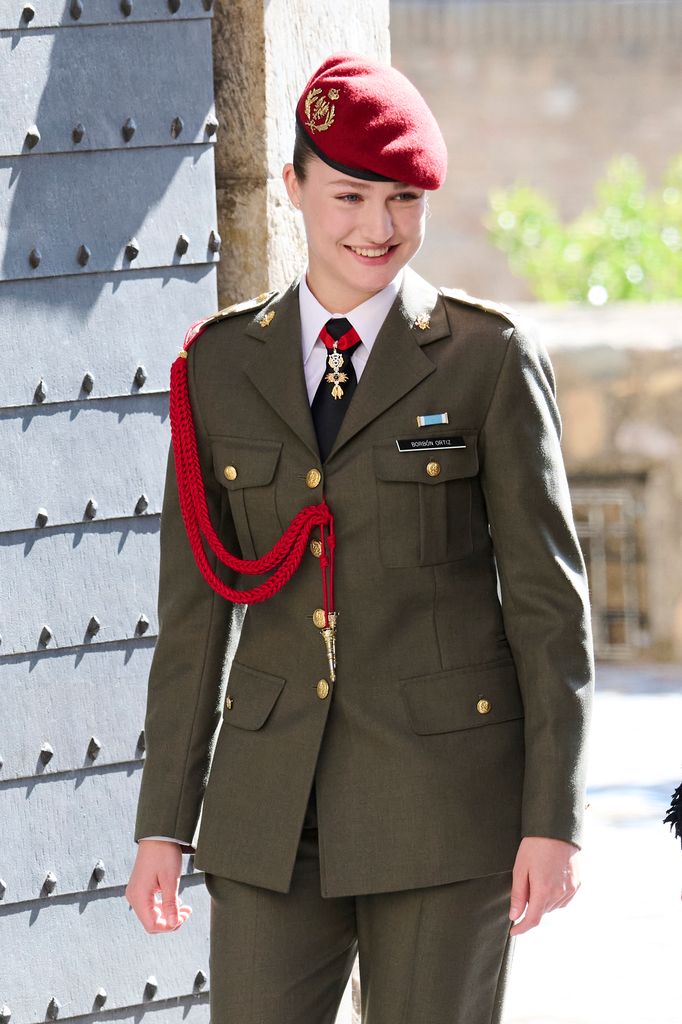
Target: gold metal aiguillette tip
[(328, 637)]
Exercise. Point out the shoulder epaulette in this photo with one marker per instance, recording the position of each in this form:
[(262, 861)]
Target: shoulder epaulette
[(508, 312), (246, 306)]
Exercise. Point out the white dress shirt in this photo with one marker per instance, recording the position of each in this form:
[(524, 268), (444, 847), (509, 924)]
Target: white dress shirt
[(366, 318)]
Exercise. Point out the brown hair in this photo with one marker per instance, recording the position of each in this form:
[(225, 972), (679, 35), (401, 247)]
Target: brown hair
[(303, 152)]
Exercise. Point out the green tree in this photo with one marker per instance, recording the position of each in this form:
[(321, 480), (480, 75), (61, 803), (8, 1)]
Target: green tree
[(627, 245)]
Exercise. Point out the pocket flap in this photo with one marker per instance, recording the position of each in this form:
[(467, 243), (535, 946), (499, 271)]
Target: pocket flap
[(463, 698), (392, 464), (250, 697), (253, 460)]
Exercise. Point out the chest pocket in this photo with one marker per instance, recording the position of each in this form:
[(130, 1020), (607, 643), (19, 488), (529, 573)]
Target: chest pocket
[(246, 468), (424, 502)]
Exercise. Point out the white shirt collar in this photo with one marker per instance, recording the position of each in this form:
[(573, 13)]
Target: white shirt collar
[(366, 318)]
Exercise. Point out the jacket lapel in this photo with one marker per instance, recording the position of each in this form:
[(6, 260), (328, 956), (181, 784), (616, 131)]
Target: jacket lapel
[(397, 362)]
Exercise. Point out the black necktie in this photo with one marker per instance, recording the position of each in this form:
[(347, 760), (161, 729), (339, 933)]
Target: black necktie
[(338, 382)]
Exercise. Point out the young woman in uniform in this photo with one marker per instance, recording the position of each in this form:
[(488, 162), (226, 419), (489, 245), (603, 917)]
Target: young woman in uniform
[(400, 766)]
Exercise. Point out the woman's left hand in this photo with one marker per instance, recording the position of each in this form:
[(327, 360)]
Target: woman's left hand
[(546, 875)]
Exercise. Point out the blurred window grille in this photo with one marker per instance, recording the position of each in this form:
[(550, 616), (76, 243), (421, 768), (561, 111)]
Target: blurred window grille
[(609, 522)]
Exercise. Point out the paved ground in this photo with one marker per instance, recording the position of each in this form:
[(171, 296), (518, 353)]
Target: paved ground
[(614, 954)]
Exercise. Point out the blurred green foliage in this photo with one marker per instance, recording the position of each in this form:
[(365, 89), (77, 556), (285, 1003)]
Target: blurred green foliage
[(628, 245)]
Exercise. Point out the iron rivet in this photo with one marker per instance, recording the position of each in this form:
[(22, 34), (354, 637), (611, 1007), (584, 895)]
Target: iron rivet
[(46, 753), (214, 241), (142, 505), (200, 979), (91, 509), (3, 888), (40, 392), (75, 9), (140, 376), (142, 625), (100, 997), (174, 6), (99, 871), (177, 124), (94, 626), (211, 125), (84, 255), (32, 137), (182, 245), (50, 883), (151, 987), (94, 747), (54, 1006), (46, 635), (88, 383), (41, 518), (126, 8), (128, 129), (34, 258), (5, 1014), (141, 742), (28, 14), (132, 249), (208, 4), (78, 132)]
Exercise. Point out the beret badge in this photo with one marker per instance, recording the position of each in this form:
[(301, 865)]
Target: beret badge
[(320, 109)]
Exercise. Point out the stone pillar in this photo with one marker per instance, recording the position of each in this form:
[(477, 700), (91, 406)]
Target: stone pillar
[(263, 53)]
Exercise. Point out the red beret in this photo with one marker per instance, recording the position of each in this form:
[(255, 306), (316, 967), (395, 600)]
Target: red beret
[(366, 119)]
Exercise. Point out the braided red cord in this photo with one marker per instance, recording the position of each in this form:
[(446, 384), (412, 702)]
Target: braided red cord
[(289, 548)]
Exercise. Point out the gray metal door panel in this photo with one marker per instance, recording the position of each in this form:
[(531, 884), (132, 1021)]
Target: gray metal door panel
[(60, 701), (108, 454), (64, 14), (102, 326), (165, 52), (109, 950)]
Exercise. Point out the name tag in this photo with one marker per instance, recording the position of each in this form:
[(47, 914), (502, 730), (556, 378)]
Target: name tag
[(429, 444)]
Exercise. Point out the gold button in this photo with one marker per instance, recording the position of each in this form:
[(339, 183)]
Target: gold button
[(313, 477), (483, 706), (230, 472), (318, 617), (322, 688), (433, 468), (228, 703), (316, 547)]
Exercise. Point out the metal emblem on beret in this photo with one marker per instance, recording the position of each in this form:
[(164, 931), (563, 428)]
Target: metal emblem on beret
[(320, 109)]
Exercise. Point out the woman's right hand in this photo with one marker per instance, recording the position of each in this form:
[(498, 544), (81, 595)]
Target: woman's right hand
[(157, 868)]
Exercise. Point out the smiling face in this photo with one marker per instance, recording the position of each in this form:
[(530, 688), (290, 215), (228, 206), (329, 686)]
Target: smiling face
[(359, 233)]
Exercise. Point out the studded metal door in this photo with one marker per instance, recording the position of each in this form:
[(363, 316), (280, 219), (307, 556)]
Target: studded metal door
[(108, 247)]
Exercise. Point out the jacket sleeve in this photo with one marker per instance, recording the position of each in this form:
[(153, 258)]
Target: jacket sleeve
[(543, 584), (184, 686)]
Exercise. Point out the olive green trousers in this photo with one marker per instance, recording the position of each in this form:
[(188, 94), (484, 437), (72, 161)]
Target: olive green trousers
[(434, 955)]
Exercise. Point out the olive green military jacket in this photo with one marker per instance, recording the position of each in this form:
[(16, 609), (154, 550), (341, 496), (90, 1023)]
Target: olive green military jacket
[(457, 723)]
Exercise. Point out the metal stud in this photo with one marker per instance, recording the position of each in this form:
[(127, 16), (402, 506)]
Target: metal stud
[(94, 626), (5, 1014), (151, 988), (100, 997), (214, 241), (128, 130), (40, 392), (75, 9), (1, 762), (46, 635), (211, 125), (126, 8), (88, 383), (99, 871), (54, 1006), (200, 980), (41, 518), (142, 625), (141, 742), (182, 245), (46, 753), (34, 258), (84, 255), (142, 505), (28, 14), (208, 4), (174, 6), (32, 136), (50, 883), (94, 747), (91, 509), (140, 376), (3, 888), (78, 132), (132, 249), (177, 124)]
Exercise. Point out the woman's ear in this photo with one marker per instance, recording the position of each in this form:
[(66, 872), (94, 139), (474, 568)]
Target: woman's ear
[(291, 184)]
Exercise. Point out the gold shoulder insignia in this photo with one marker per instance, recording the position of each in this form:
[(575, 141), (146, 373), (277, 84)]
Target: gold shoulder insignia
[(508, 312), (247, 306)]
